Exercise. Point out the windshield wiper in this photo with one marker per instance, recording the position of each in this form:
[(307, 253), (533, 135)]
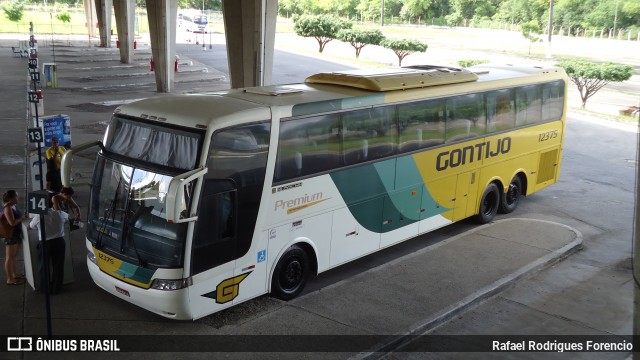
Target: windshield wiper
[(111, 211), (125, 232)]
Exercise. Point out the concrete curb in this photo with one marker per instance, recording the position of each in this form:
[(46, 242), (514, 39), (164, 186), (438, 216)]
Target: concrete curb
[(480, 295)]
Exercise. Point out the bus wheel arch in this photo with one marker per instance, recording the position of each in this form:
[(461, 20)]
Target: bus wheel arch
[(292, 271), (510, 198), (489, 203)]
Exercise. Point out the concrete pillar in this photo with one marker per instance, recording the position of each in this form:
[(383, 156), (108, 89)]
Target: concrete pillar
[(250, 28), (125, 23), (636, 263), (162, 30), (90, 15), (104, 10)]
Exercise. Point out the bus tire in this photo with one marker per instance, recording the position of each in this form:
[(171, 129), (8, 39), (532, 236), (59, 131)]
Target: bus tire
[(509, 200), (489, 204), (291, 274)]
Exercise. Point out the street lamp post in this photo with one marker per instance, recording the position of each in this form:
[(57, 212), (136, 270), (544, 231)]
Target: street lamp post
[(550, 29), (615, 18), (204, 48)]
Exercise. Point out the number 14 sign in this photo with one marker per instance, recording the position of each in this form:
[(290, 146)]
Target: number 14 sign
[(38, 202)]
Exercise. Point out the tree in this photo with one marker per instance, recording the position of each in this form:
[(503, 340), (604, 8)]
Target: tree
[(531, 31), (590, 77), (344, 8), (470, 62), (200, 4), (14, 13), (64, 17), (521, 11), (359, 38), (424, 9), (454, 19), (323, 28), (404, 47), (369, 9)]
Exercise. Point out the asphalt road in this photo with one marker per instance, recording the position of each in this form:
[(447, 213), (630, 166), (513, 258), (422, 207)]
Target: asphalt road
[(287, 67)]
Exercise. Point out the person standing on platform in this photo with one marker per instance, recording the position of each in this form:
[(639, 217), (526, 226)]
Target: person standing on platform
[(54, 159), (54, 226), (64, 201), (53, 178), (13, 216)]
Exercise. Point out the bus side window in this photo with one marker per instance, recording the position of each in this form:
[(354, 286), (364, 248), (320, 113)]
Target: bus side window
[(421, 124), (217, 219), (528, 105), (307, 146), (500, 110), (465, 117), (552, 101), (368, 134)]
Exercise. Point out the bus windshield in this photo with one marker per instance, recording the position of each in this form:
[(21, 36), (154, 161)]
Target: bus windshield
[(153, 144), (127, 216)]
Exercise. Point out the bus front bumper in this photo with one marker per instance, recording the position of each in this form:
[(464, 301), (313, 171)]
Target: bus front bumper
[(170, 304)]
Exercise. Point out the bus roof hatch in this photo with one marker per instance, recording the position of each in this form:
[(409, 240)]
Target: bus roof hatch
[(395, 79)]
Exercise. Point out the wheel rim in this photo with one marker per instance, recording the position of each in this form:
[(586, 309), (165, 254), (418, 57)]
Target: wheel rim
[(489, 203), (513, 194), (292, 275)]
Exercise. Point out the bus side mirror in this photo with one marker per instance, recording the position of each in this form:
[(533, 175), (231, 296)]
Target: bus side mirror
[(65, 164), (177, 204)]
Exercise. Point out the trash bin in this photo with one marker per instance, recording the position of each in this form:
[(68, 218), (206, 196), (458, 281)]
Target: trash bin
[(50, 76)]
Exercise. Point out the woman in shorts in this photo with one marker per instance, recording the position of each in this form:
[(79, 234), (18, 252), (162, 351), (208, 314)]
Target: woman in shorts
[(14, 217)]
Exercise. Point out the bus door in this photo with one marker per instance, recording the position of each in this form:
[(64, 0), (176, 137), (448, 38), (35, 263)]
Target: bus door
[(213, 248), (401, 211), (466, 196), (438, 202), (400, 215)]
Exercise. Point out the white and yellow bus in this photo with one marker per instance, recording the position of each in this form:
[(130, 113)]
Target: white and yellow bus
[(200, 202)]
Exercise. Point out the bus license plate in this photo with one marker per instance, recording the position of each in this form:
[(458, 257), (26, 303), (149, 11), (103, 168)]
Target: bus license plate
[(123, 291)]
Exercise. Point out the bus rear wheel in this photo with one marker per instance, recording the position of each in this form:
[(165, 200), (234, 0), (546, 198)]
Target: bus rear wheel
[(489, 204), (291, 274), (509, 200)]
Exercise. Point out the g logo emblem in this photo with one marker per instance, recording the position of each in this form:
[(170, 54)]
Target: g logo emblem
[(227, 290)]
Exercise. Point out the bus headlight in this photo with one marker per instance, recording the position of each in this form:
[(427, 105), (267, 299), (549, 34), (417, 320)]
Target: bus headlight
[(92, 257), (163, 284)]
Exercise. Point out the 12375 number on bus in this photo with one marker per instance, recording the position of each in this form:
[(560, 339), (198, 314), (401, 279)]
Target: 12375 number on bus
[(547, 135)]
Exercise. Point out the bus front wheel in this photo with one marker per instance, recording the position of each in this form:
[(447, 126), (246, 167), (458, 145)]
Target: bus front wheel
[(509, 200), (489, 204), (291, 274)]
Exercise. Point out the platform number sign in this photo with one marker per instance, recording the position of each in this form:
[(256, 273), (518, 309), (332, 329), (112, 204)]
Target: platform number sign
[(37, 202), (33, 63), (33, 97), (35, 135), (35, 76)]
